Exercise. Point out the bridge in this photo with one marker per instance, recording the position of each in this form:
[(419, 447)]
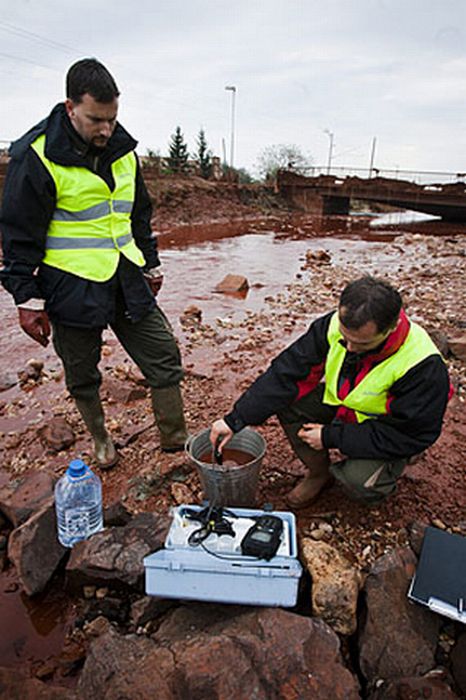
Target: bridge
[(331, 193)]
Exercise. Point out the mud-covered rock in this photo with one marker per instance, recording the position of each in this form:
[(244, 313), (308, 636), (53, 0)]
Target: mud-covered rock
[(398, 638), (232, 283), (35, 550), (20, 498), (458, 663), (57, 435), (223, 652), (335, 585), (15, 685), (114, 557)]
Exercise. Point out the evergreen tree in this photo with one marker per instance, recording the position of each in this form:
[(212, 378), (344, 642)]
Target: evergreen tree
[(178, 152), (204, 155)]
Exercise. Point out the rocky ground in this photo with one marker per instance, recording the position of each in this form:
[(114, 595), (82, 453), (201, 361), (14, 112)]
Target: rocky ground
[(429, 270), (146, 480)]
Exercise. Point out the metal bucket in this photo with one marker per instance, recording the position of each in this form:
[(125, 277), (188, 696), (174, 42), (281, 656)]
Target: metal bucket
[(228, 486)]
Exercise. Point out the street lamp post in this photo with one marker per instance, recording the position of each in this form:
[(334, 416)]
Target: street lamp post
[(232, 89), (330, 149)]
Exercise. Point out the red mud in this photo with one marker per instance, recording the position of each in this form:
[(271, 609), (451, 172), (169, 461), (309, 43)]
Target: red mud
[(235, 340)]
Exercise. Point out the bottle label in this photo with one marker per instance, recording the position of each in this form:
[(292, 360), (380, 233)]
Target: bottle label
[(77, 522)]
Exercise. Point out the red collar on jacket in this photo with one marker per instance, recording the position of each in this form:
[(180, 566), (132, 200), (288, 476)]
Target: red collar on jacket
[(390, 346)]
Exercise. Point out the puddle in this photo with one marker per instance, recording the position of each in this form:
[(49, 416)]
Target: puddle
[(32, 628)]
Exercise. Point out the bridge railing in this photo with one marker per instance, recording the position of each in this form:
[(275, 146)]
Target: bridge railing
[(419, 177)]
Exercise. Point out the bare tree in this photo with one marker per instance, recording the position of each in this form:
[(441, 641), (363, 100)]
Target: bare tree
[(282, 156)]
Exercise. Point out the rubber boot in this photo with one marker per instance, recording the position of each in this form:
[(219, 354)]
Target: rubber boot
[(92, 414), (167, 405), (317, 463), (311, 486)]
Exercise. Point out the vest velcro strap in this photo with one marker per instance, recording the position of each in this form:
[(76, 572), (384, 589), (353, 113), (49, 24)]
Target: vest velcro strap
[(95, 212), (75, 243)]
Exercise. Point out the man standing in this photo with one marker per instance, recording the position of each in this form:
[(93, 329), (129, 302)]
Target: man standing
[(79, 253), (365, 380)]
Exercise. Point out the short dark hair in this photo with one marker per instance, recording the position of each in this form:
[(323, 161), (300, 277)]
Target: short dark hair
[(370, 299), (89, 76)]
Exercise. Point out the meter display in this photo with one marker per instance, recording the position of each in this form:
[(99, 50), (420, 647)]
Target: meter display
[(262, 540)]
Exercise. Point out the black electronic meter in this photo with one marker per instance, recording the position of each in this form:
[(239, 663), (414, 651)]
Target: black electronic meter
[(262, 540)]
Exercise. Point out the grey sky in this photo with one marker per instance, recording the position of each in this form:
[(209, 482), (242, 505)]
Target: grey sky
[(391, 69)]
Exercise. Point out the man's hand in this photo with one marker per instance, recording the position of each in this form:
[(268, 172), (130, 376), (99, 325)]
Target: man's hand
[(36, 324), (311, 434), (220, 431), (154, 279)]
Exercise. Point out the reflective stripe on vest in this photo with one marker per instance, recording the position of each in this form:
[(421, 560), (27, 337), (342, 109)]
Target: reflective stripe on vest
[(91, 224), (369, 398)]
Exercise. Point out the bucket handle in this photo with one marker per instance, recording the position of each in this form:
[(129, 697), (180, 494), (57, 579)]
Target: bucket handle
[(187, 444)]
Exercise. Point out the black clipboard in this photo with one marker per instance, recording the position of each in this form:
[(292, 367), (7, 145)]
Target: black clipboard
[(440, 578)]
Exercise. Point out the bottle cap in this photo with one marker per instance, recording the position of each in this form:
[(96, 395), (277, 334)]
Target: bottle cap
[(76, 468)]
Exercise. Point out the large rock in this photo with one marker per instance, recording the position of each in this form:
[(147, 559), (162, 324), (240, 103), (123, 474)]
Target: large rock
[(335, 585), (398, 638), (232, 283), (126, 667), (19, 499), (114, 556), (458, 663), (222, 652), (15, 685), (35, 550)]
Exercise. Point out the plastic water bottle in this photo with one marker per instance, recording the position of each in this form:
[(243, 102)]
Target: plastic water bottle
[(78, 504)]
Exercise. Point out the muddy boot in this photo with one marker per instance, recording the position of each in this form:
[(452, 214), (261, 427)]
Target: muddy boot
[(317, 463), (93, 416), (167, 405), (311, 486)]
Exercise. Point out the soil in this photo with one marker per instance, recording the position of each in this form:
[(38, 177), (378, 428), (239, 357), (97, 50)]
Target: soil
[(234, 340)]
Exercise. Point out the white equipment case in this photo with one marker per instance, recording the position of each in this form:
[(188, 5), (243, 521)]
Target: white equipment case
[(217, 571)]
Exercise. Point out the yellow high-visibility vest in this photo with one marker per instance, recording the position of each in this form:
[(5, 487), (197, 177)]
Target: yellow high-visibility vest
[(91, 224), (369, 398)]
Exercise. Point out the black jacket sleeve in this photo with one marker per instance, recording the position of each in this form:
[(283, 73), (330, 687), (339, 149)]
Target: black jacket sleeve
[(27, 207), (140, 222), (278, 387), (419, 400)]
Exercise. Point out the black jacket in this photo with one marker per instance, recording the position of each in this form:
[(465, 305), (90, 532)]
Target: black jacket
[(417, 407), (27, 208)]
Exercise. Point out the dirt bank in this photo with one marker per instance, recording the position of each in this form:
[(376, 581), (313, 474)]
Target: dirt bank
[(191, 200)]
